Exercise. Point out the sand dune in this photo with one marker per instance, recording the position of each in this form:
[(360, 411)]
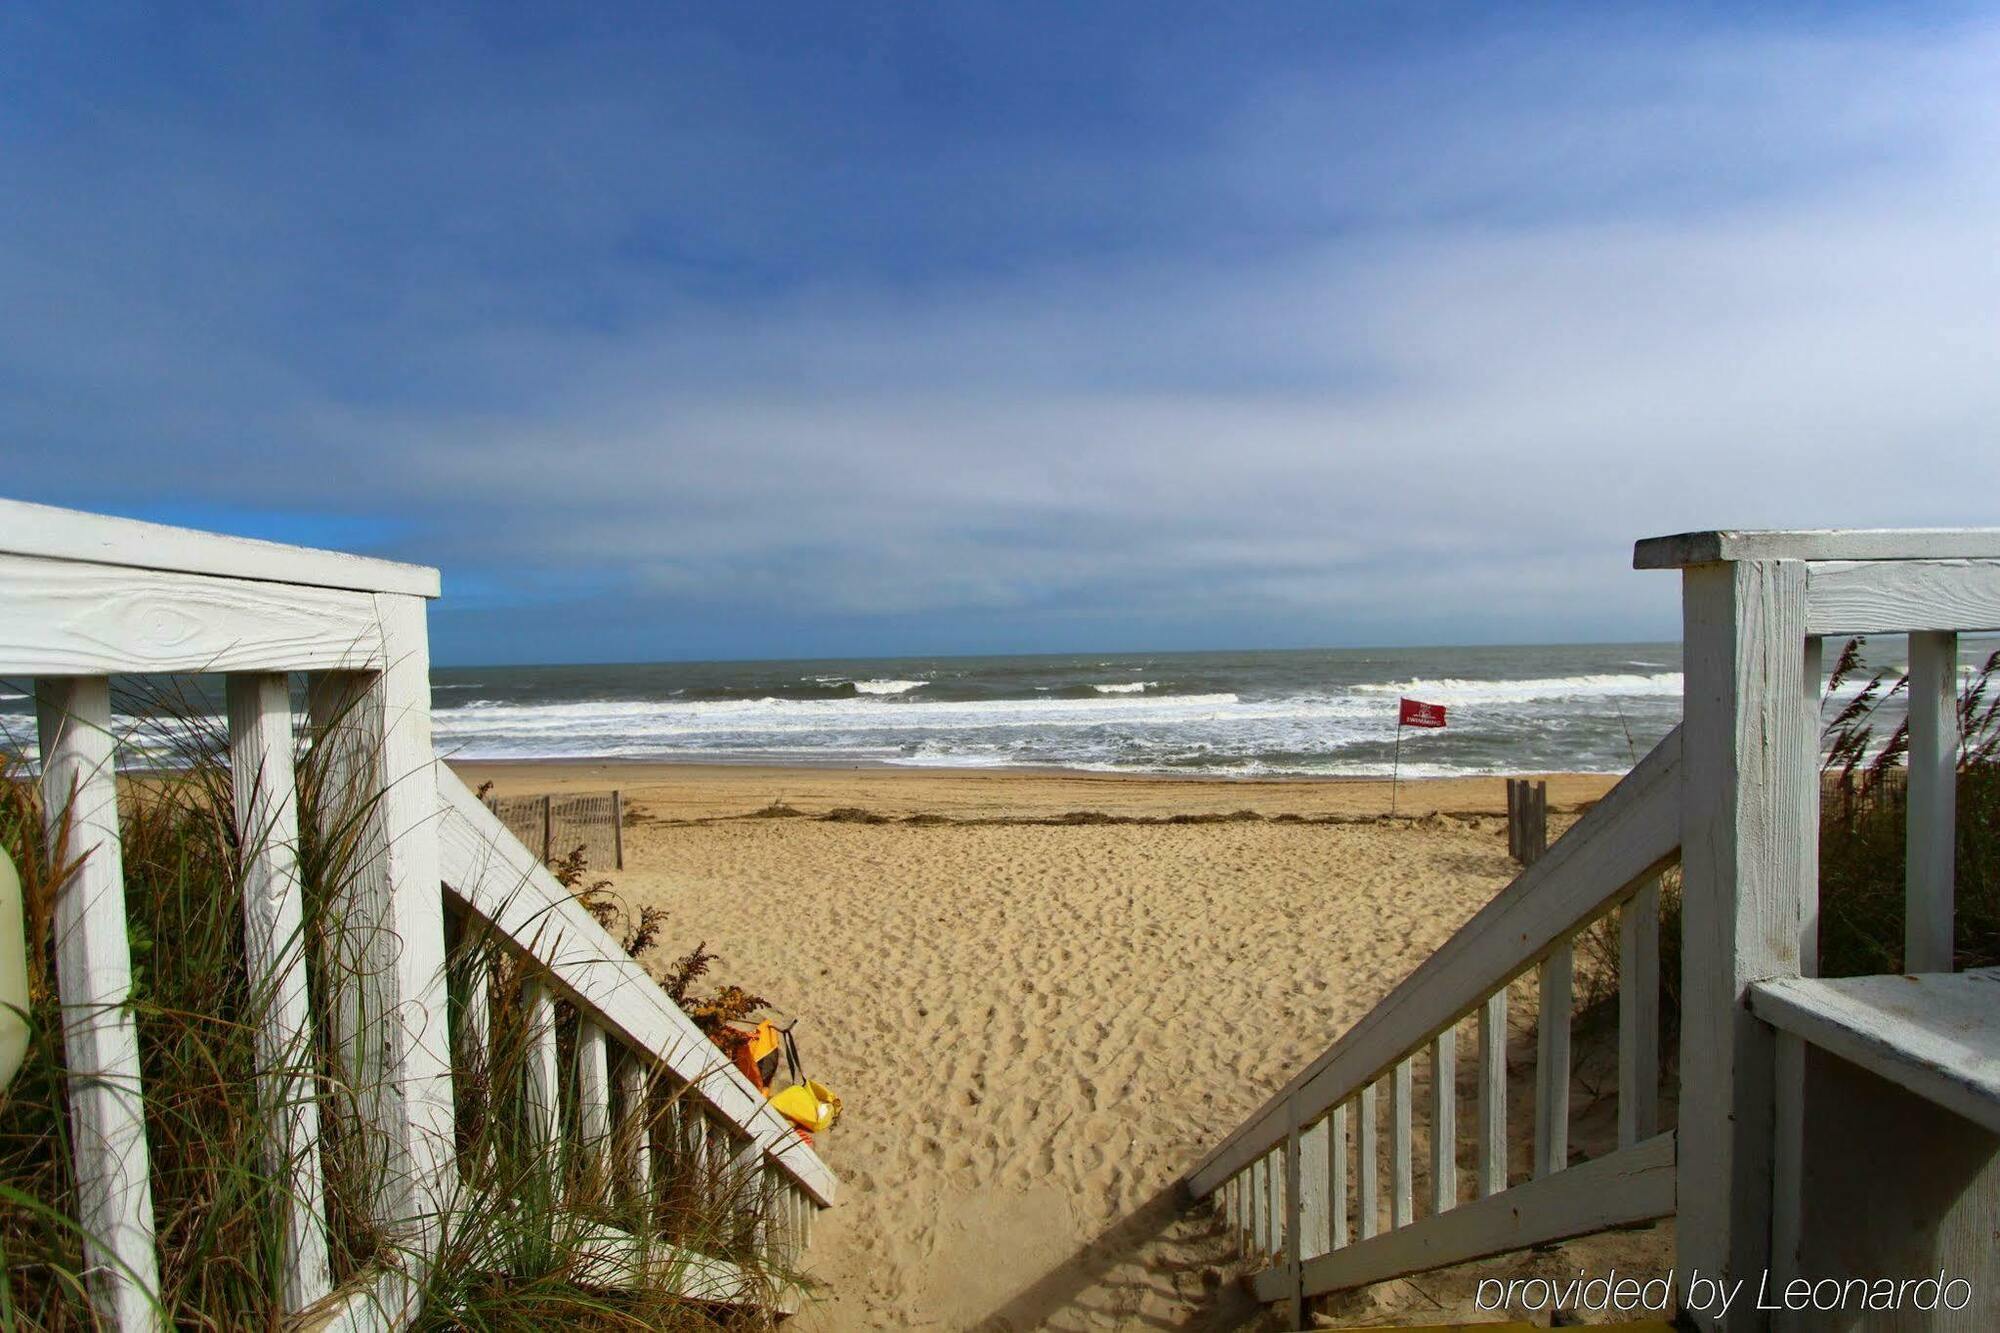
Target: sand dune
[(1037, 1027)]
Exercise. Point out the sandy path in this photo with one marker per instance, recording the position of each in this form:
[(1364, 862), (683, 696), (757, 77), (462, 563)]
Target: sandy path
[(1038, 1027)]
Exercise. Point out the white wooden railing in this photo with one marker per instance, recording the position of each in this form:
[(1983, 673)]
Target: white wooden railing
[(83, 598), (1734, 793)]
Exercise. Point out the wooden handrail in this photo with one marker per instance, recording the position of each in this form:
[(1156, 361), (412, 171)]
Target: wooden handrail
[(1617, 846)]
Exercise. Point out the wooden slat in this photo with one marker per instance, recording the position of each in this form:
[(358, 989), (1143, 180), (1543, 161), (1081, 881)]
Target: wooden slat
[(1788, 1082), (1626, 837), (636, 1127), (1893, 597), (267, 824), (542, 1070), (1366, 1165), (71, 535), (503, 883), (1700, 548), (107, 1123), (1932, 1033), (1552, 1063), (1932, 831), (1749, 814), (1337, 1186), (1444, 1121), (1293, 1219), (1639, 1017), (1628, 1186), (593, 1093), (1274, 1200), (1401, 1187), (1315, 1196), (70, 620), (1493, 1094)]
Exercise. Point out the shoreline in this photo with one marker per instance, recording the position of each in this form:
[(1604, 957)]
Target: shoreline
[(678, 791)]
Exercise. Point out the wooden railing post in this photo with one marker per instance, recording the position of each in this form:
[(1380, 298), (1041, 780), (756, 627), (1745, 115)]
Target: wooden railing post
[(1493, 1094), (114, 1185), (1552, 1061), (1749, 832), (267, 823), (1933, 803)]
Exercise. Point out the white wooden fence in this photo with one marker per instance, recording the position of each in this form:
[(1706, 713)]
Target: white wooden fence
[(83, 598), (1733, 794)]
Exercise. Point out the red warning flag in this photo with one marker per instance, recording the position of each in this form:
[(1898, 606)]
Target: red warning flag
[(1419, 714)]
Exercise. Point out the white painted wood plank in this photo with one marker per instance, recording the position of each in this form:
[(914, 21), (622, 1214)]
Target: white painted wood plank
[(1444, 1121), (636, 1126), (1552, 1023), (1366, 1164), (1749, 786), (419, 1039), (60, 619), (1337, 1184), (346, 713), (593, 1093), (1933, 1033), (1892, 597), (1315, 1197), (1639, 1017), (1628, 836), (1260, 1211), (1293, 1221), (1274, 1199), (267, 826), (71, 535), (1788, 1083), (1493, 1094), (1699, 548), (1628, 1186), (542, 1093), (107, 1126), (1932, 830), (488, 870), (1401, 1187)]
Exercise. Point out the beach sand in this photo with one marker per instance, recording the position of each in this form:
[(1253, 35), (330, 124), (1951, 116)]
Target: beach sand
[(1037, 1026)]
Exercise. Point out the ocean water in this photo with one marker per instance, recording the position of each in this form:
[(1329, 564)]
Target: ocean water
[(1592, 708), (1331, 713)]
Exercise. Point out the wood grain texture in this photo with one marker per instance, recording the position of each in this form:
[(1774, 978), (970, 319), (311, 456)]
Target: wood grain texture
[(267, 825), (1932, 825), (1891, 597), (1401, 1186), (1366, 1163), (107, 1124), (1639, 1017), (1552, 1023), (1700, 548), (1336, 1131), (1294, 1245), (59, 619), (542, 1098), (1631, 1185), (503, 884), (1315, 1190), (634, 1127), (1932, 1033), (1444, 1121), (1493, 1094), (593, 1092), (1749, 811), (1628, 836), (53, 534)]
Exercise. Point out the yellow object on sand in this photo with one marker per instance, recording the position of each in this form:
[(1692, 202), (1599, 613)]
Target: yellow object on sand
[(811, 1105)]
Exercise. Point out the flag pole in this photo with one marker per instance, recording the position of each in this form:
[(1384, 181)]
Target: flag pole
[(1396, 774)]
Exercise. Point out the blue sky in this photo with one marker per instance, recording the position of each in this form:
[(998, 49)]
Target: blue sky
[(675, 331)]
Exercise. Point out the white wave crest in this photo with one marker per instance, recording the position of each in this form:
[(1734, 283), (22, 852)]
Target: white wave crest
[(887, 686), (1451, 690), (1127, 687)]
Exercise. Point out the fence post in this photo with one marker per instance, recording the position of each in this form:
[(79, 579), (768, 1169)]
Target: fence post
[(1514, 818), (617, 830), (1748, 839), (548, 828)]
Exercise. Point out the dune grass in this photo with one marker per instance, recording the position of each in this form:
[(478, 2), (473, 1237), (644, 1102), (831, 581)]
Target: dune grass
[(522, 1244)]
